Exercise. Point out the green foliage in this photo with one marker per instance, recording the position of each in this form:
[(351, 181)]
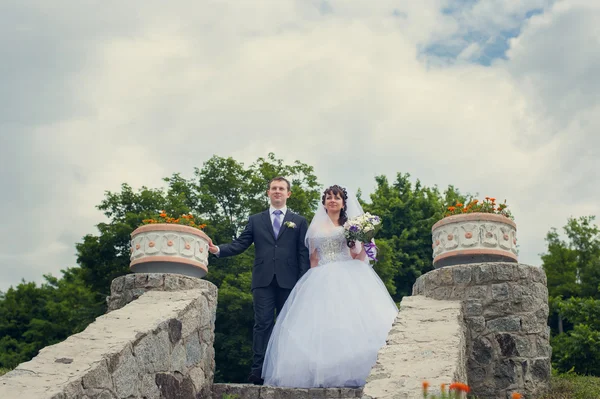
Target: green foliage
[(573, 267), (32, 317), (579, 348), (573, 386), (3, 371), (573, 270)]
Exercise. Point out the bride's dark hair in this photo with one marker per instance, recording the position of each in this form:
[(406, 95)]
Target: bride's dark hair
[(341, 191)]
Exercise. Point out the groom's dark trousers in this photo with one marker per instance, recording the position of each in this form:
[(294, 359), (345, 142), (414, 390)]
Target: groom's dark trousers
[(279, 262)]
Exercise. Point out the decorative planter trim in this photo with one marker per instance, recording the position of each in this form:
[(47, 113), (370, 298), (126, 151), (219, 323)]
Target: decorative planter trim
[(468, 252), (474, 237), (169, 227), (169, 248), (469, 217), (169, 259)]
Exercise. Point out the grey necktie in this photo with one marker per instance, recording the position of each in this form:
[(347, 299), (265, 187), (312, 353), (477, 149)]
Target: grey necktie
[(276, 222)]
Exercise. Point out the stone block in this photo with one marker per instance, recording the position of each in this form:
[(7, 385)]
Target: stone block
[(497, 309), (441, 293), (505, 374), (153, 352), (98, 377), (523, 272), (178, 358), (478, 292), (483, 274), (148, 387), (472, 307), (543, 348), (125, 375), (482, 351), (174, 327), (193, 351), (317, 393), (116, 286), (540, 370), (475, 325), (129, 282), (506, 272), (444, 276), (538, 275), (461, 275), (500, 292), (504, 324), (155, 280)]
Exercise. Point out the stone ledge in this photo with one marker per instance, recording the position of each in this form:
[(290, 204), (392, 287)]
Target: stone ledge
[(426, 343), (248, 391), (159, 345)]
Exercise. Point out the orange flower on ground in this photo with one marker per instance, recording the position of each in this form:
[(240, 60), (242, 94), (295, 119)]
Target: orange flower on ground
[(425, 386), (459, 386), (516, 395)]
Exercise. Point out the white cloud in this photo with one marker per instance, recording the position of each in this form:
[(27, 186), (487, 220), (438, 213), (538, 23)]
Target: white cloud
[(146, 92)]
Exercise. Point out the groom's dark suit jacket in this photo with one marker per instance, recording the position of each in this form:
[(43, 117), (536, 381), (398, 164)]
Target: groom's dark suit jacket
[(285, 256)]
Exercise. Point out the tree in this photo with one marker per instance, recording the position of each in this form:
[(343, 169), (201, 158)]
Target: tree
[(572, 268), (33, 317)]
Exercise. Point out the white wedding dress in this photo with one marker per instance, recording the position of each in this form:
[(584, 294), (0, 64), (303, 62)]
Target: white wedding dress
[(334, 322)]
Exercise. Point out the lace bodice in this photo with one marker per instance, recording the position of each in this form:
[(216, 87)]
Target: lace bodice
[(331, 246)]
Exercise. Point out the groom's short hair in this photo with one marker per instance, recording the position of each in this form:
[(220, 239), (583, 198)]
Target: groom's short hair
[(279, 178)]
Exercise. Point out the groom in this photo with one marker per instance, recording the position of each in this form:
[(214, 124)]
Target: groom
[(281, 258)]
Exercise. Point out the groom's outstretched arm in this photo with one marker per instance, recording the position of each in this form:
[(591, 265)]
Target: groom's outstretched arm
[(303, 258), (241, 243)]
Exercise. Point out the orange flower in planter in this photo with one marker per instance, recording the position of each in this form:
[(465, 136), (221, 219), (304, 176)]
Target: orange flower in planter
[(185, 220), (475, 206)]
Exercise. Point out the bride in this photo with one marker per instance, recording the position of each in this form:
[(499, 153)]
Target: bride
[(338, 315)]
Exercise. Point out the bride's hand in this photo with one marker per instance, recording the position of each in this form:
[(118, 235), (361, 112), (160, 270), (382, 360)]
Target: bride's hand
[(357, 248)]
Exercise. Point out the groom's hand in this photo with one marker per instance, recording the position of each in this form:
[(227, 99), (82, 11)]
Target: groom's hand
[(212, 248)]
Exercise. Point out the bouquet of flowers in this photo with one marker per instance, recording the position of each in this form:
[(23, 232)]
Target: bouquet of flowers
[(363, 228)]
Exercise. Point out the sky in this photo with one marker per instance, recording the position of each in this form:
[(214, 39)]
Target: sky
[(498, 98)]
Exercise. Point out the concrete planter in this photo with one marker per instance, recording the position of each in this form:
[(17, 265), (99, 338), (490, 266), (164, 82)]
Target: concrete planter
[(474, 238), (169, 248)]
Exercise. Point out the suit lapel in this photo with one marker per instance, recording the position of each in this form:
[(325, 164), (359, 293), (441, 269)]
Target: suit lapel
[(288, 217), (266, 217)]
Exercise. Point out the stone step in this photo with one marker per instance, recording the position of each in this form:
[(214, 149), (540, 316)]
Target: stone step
[(248, 391)]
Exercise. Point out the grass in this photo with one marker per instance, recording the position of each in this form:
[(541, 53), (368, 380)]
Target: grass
[(3, 371), (572, 386)]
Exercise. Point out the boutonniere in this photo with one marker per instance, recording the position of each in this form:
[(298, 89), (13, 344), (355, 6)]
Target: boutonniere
[(290, 225)]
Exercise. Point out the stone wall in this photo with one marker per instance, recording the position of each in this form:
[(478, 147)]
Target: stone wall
[(426, 343), (159, 346), (247, 391), (506, 311), (129, 287)]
